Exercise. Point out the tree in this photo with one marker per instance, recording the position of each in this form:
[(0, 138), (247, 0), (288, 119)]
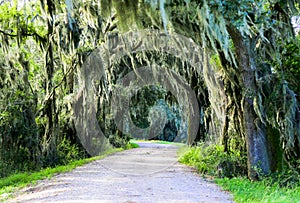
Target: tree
[(40, 52), (245, 36), (255, 28), (242, 57)]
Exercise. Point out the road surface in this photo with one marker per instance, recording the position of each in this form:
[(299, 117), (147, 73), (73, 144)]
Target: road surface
[(150, 173)]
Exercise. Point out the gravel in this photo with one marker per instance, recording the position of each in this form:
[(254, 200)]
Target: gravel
[(150, 173)]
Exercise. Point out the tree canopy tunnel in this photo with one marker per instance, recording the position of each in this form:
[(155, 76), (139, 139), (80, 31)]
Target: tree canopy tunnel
[(236, 63), (149, 85), (242, 54), (150, 103)]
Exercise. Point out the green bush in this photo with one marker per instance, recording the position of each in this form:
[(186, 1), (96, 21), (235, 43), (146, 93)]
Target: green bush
[(68, 152), (119, 140), (18, 133), (212, 160)]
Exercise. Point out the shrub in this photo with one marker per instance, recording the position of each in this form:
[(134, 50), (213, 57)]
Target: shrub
[(119, 140), (212, 160), (68, 152)]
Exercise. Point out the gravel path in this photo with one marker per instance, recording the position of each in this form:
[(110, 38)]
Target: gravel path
[(146, 174)]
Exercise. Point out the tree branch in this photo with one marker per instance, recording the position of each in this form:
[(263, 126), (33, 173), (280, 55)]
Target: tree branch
[(11, 35), (34, 34)]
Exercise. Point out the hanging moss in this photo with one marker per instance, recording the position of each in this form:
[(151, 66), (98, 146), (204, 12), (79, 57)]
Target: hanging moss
[(106, 8), (126, 11)]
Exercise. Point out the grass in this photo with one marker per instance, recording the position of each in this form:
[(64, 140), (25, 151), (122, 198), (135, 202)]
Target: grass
[(132, 145), (166, 142), (245, 190), (11, 184), (182, 151), (159, 142)]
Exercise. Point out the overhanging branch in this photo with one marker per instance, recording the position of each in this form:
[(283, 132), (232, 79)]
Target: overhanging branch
[(8, 34), (34, 34)]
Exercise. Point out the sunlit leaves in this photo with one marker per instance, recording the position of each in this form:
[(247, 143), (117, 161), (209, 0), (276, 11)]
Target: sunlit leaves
[(20, 22)]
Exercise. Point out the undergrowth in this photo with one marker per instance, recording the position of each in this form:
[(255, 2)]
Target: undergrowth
[(229, 171), (266, 190), (212, 160)]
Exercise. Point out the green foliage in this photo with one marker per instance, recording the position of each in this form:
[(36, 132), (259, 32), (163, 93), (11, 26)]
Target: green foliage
[(10, 184), (290, 67), (18, 132), (146, 106), (255, 26), (141, 103), (212, 160), (119, 140), (37, 77), (20, 24), (132, 145), (129, 19), (266, 190), (68, 152), (39, 61)]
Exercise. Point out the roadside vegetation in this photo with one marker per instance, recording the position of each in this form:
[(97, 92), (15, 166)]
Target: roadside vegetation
[(229, 172), (14, 182), (266, 190), (229, 167)]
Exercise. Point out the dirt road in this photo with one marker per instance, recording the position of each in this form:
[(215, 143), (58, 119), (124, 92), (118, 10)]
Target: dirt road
[(146, 174)]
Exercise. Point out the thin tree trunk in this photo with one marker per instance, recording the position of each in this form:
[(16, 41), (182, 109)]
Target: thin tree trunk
[(50, 106)]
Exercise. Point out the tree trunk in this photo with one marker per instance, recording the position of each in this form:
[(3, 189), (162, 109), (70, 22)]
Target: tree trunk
[(49, 145), (254, 129)]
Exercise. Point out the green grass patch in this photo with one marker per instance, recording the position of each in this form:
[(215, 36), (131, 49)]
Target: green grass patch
[(280, 188), (159, 142), (162, 142), (167, 142), (182, 151), (10, 184), (132, 145), (265, 190)]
